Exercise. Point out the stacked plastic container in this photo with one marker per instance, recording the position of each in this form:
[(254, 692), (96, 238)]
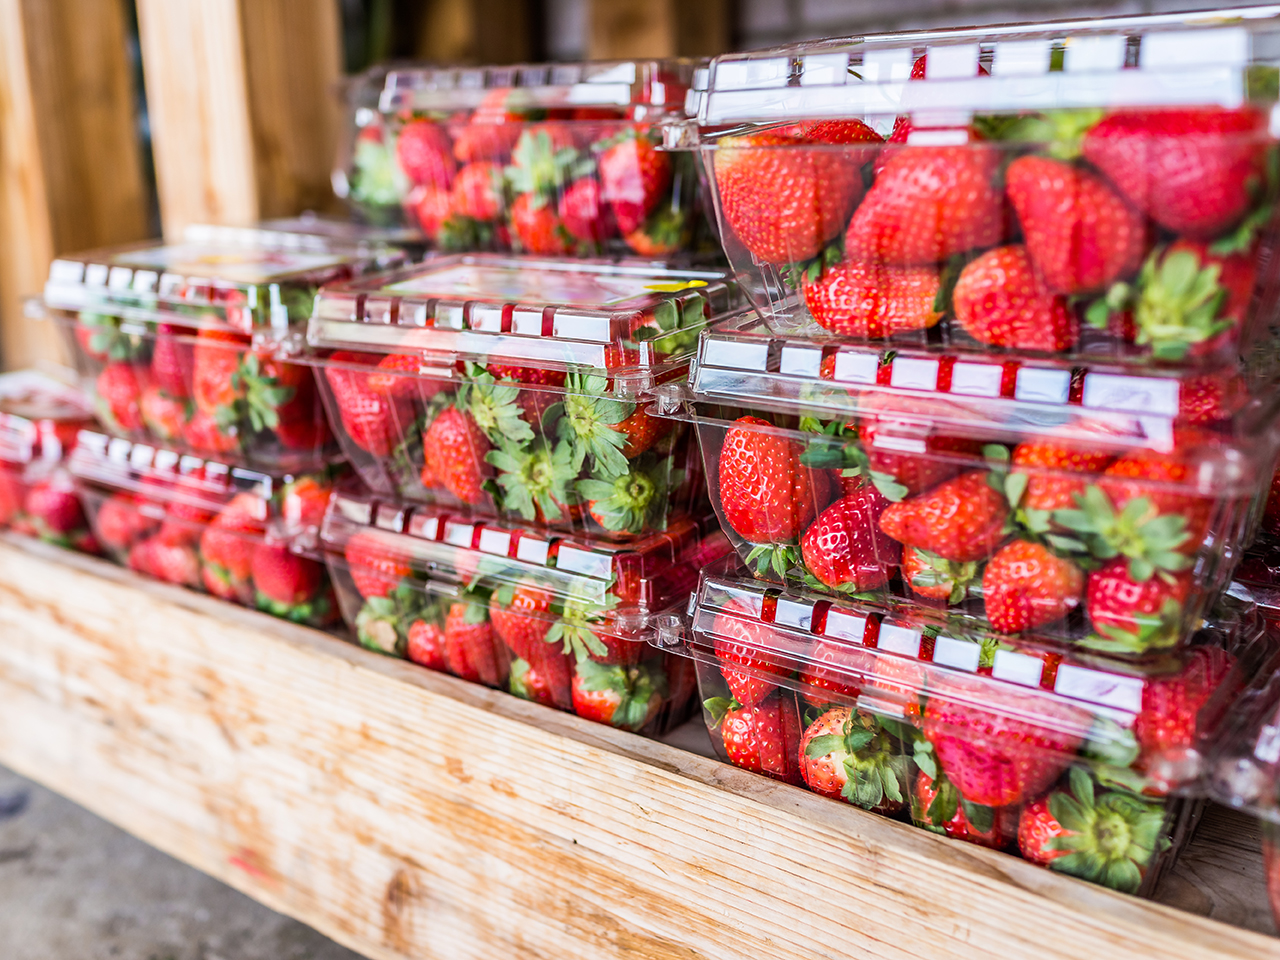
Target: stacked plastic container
[(991, 444)]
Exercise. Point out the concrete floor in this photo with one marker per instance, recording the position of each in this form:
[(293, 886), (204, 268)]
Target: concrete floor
[(73, 887)]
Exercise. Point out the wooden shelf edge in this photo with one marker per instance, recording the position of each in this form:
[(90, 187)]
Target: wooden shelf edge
[(405, 813)]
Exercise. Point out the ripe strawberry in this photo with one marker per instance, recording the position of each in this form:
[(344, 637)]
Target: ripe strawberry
[(491, 131), (962, 519), (477, 191), (748, 651), (621, 696), (667, 230), (869, 299), (430, 208), (1167, 727), (942, 809), (374, 569), (375, 422), (397, 375), (173, 563), (165, 416), (303, 503), (1194, 171), (53, 509), (635, 501), (426, 644), (120, 523), (845, 131), (203, 434), (1001, 300), (1025, 586), (226, 548), (288, 585), (538, 227), (1271, 509), (1166, 481), (927, 204), (934, 578), (523, 619), (844, 548), (543, 160), (119, 389), (766, 494), (1045, 460), (886, 420), (172, 361), (281, 397), (425, 153), (583, 212), (1106, 838), (634, 177), (12, 492), (1138, 615), (1079, 233), (783, 201), (215, 363), (849, 756), (1211, 398), (470, 646), (833, 672), (538, 684), (987, 745), (763, 739), (454, 449)]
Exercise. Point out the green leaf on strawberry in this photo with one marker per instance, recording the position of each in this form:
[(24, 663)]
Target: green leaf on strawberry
[(494, 407), (717, 707), (1149, 540), (259, 397), (536, 477), (538, 166), (635, 686), (383, 623), (634, 501), (588, 424)]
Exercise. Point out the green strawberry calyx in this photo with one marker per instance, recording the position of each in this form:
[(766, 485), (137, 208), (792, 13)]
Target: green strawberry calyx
[(1060, 133), (575, 631), (778, 558), (493, 406), (666, 228), (1154, 631), (539, 168), (875, 770), (516, 683), (947, 799), (1179, 303), (796, 275), (635, 687), (535, 477), (938, 572), (1148, 539), (633, 501), (589, 422), (718, 707), (383, 623), (835, 446), (313, 611), (259, 399)]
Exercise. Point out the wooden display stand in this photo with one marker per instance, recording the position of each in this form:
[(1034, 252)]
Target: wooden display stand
[(408, 814)]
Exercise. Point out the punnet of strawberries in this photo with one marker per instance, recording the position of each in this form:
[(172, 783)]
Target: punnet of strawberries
[(564, 160), (564, 622), (191, 343), (236, 533), (1074, 761), (972, 196)]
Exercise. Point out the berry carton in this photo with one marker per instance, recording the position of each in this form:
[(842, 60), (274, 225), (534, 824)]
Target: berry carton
[(518, 386), (563, 621)]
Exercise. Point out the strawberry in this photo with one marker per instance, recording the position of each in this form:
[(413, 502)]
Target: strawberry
[(119, 389), (927, 204), (455, 449), (186, 512), (1044, 461), (373, 421), (165, 416), (538, 227), (12, 492), (281, 397), (539, 685), (288, 585), (1001, 300), (120, 523), (536, 480), (962, 519), (870, 299), (54, 511), (491, 130), (748, 653), (1025, 586), (425, 645), (303, 503), (988, 746), (1194, 171), (885, 421), (203, 434), (1079, 233), (1271, 509), (633, 502), (849, 756), (470, 646), (430, 208), (783, 201), (101, 339), (522, 619), (940, 808), (1167, 728), (374, 570), (1136, 615), (667, 230), (383, 622), (397, 375), (1162, 480), (173, 563), (543, 161), (477, 192), (226, 548), (584, 215), (1211, 398), (931, 577), (1107, 838), (846, 131), (844, 548), (634, 177), (833, 672), (215, 363), (425, 153), (621, 696), (763, 739), (172, 361)]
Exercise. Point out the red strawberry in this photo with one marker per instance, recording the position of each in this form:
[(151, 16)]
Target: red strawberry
[(763, 739), (173, 563), (470, 646), (374, 568), (120, 523), (628, 697), (287, 585), (849, 756), (216, 361), (12, 492), (887, 420), (584, 214), (226, 548), (766, 494), (634, 177), (845, 548), (1166, 481), (1211, 398), (523, 620), (119, 388), (785, 202), (425, 154), (282, 398), (538, 227), (373, 421), (1271, 510), (927, 204), (665, 232), (165, 417), (172, 361), (477, 191), (858, 299), (454, 449), (902, 125), (837, 132), (430, 207), (1167, 727), (934, 578), (303, 503), (1025, 586), (962, 519), (1000, 300), (1140, 615), (987, 746), (1045, 460), (204, 435), (950, 817), (426, 644), (1193, 170), (1079, 233), (537, 684), (53, 508), (491, 132), (748, 653), (834, 671)]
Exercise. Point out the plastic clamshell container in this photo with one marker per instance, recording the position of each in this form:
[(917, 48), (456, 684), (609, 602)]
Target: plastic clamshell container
[(1087, 505), (554, 159), (986, 740), (563, 621), (517, 385), (39, 420), (237, 533), (365, 174), (1088, 188)]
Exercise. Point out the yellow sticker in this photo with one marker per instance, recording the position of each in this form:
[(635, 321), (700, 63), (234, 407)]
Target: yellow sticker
[(675, 286)]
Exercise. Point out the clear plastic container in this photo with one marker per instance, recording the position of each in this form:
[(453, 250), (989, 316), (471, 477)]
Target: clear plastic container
[(366, 175), (563, 621), (1091, 188), (517, 386), (190, 343), (554, 159), (39, 420), (1084, 763), (1092, 505), (237, 533)]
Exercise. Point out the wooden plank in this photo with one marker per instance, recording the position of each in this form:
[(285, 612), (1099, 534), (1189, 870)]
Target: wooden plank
[(243, 105), (624, 29), (71, 174), (408, 814), (476, 32)]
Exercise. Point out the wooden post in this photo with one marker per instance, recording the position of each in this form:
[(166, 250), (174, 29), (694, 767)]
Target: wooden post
[(244, 108), (622, 29), (476, 31), (71, 174)]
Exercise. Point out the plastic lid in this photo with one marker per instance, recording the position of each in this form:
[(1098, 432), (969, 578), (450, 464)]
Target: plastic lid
[(644, 89), (333, 231), (1244, 758), (39, 417), (1204, 58), (602, 314)]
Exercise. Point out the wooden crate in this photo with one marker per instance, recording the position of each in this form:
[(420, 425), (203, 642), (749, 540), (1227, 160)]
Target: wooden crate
[(407, 814)]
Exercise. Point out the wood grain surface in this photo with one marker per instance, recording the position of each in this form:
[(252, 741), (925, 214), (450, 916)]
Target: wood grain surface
[(408, 814), (623, 29)]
